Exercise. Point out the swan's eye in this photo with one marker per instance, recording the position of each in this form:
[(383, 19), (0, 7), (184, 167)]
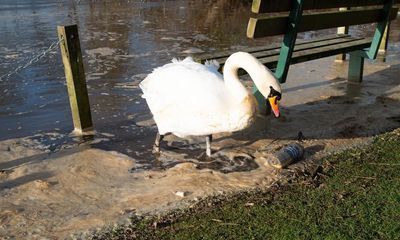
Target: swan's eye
[(274, 93)]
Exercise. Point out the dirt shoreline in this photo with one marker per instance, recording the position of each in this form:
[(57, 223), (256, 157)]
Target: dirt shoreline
[(50, 191), (78, 191)]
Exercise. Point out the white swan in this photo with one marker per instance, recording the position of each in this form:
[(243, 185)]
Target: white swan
[(187, 98)]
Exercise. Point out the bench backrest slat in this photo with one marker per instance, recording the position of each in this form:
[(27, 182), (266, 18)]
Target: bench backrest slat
[(269, 6), (270, 26), (292, 19)]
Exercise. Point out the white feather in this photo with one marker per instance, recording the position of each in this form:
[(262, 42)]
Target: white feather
[(189, 98), (212, 64)]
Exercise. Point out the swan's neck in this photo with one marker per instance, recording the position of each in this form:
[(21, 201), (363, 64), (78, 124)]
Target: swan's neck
[(262, 76)]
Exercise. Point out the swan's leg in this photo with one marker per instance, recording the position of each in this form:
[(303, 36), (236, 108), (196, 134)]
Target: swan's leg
[(208, 145), (156, 147)]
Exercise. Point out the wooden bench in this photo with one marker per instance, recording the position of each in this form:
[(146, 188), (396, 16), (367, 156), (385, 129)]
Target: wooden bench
[(294, 16)]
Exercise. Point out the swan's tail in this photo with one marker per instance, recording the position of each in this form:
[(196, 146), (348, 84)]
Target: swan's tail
[(143, 87), (187, 59), (212, 64)]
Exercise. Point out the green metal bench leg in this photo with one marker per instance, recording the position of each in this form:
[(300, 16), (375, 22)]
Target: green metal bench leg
[(356, 68), (263, 105)]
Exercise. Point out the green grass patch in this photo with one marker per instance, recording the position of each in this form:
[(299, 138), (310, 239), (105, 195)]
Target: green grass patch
[(355, 196)]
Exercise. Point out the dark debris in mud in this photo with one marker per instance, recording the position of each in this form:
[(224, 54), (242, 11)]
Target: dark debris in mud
[(348, 177), (144, 227)]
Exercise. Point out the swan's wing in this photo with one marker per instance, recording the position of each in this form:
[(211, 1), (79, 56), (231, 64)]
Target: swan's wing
[(186, 91), (184, 83)]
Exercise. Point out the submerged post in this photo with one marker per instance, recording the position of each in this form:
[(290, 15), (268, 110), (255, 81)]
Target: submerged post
[(75, 76)]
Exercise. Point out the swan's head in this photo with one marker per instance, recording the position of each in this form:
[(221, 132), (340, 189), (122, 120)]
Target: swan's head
[(273, 98), (263, 78)]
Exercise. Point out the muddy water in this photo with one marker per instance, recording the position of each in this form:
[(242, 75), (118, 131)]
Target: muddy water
[(122, 41)]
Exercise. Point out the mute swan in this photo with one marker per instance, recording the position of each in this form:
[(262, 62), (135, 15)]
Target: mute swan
[(187, 98)]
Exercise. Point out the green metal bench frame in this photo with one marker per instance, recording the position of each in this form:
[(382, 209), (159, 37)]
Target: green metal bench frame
[(260, 26), (356, 63)]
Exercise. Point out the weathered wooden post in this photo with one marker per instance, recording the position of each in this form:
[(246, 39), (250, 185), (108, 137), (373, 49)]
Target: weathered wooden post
[(342, 30), (75, 76)]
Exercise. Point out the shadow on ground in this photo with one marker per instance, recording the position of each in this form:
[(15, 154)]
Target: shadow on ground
[(354, 110)]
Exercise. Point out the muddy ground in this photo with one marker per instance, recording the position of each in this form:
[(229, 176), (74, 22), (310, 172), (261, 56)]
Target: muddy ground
[(48, 192)]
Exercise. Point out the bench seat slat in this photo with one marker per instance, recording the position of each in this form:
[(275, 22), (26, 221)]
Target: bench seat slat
[(316, 53), (270, 26), (270, 6), (306, 51), (299, 47), (224, 54)]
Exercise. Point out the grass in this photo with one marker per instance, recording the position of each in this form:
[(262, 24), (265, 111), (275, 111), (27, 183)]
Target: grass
[(355, 196)]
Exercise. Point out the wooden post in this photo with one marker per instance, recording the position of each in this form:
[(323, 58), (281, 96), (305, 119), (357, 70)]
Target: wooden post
[(385, 39), (75, 76), (342, 30)]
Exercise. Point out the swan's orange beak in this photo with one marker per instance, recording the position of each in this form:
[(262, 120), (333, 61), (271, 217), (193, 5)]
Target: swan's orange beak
[(274, 105)]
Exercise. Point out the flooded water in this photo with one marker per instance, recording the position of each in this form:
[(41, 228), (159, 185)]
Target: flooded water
[(122, 41)]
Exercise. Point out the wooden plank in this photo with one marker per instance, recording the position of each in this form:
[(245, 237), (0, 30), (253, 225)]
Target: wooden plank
[(75, 76), (270, 26), (309, 45), (222, 55), (270, 6), (298, 48), (309, 51), (267, 52), (315, 53), (321, 52)]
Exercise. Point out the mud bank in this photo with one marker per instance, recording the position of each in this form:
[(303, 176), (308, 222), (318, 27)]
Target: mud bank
[(52, 192), (76, 191)]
